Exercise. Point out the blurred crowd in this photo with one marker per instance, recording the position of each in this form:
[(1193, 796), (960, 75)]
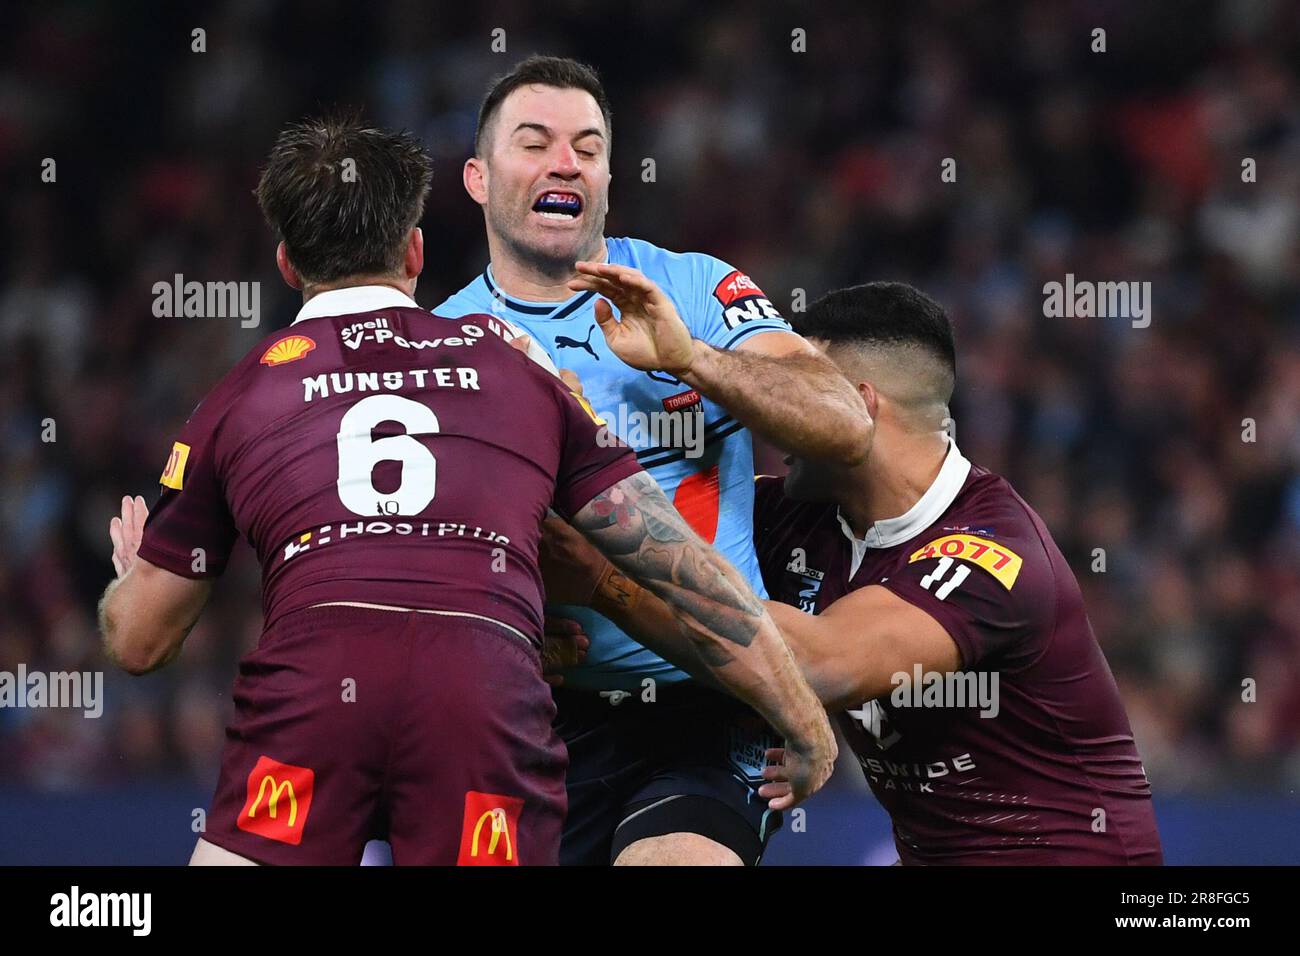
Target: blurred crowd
[(1163, 458)]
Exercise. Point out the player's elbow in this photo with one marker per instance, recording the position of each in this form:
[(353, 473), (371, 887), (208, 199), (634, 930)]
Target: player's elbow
[(851, 439), (130, 657), (135, 651)]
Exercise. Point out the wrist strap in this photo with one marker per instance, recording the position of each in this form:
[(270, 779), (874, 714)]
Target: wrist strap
[(616, 593)]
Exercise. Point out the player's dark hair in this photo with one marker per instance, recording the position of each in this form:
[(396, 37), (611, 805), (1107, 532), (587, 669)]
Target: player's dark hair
[(557, 71), (343, 195), (881, 313)]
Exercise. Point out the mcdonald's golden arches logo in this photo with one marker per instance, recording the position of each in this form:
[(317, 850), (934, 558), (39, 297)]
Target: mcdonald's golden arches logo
[(279, 799), (490, 835)]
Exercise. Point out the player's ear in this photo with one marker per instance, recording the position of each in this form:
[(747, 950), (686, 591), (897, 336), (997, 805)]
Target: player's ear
[(414, 263), (871, 397), (287, 272), (474, 175)]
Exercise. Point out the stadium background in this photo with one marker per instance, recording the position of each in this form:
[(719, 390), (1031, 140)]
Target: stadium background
[(808, 170)]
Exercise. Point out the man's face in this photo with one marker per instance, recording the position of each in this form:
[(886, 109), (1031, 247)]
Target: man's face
[(547, 175)]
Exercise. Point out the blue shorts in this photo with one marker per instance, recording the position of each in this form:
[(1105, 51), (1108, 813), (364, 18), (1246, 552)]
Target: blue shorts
[(689, 761)]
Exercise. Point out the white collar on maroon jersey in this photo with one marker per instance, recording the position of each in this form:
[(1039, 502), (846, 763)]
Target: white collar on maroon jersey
[(353, 300), (889, 532)]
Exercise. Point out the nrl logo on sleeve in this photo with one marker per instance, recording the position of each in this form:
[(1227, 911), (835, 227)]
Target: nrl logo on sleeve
[(742, 300), (998, 560), (288, 349)]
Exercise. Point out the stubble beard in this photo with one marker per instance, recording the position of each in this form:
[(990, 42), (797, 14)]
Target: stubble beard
[(544, 262)]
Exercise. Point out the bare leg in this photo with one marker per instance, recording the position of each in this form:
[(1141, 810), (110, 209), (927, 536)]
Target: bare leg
[(677, 849)]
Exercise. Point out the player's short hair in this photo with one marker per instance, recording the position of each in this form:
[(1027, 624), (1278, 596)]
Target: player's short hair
[(884, 314), (343, 195), (557, 71)]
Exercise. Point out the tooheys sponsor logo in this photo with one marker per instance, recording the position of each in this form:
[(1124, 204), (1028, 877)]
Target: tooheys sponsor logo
[(742, 300), (674, 403), (490, 833), (278, 801)]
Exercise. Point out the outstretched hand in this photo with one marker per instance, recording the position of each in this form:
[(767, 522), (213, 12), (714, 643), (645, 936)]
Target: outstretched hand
[(648, 334), (125, 533)]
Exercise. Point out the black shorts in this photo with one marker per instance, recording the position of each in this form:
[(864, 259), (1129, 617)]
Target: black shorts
[(688, 762)]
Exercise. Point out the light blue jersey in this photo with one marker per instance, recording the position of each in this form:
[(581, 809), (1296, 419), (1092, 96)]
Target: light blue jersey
[(701, 457)]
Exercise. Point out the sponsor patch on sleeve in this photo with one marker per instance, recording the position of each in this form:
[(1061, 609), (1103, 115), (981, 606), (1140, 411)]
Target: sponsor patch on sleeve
[(735, 285), (743, 301), (997, 559), (173, 475)]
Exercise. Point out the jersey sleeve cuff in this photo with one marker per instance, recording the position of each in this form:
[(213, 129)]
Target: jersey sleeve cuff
[(736, 336), (182, 565), (579, 494)]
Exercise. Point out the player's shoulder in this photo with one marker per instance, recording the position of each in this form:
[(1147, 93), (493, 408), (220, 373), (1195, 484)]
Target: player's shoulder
[(990, 527), (988, 499), (279, 347), (473, 297), (665, 264)]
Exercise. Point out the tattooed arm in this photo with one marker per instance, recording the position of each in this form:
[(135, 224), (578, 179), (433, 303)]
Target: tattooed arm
[(734, 638)]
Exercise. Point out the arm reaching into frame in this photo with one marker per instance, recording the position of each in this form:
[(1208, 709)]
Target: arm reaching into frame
[(849, 653), (711, 610), (146, 612), (775, 383)]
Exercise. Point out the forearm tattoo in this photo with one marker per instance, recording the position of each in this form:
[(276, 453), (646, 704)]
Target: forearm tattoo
[(642, 533)]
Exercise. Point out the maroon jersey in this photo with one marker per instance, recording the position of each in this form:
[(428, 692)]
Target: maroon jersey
[(1039, 766), (375, 453)]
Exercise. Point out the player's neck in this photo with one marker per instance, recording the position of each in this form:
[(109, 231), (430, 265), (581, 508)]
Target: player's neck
[(531, 280), (404, 286), (892, 480)]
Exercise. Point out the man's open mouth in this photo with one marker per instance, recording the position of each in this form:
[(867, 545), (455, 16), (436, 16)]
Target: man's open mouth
[(558, 205)]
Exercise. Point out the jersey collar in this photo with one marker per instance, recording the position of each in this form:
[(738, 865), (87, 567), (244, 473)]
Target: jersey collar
[(353, 300), (890, 532), (551, 310)]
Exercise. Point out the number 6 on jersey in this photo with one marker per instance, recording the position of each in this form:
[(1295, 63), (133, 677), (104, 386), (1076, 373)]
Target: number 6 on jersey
[(359, 453)]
